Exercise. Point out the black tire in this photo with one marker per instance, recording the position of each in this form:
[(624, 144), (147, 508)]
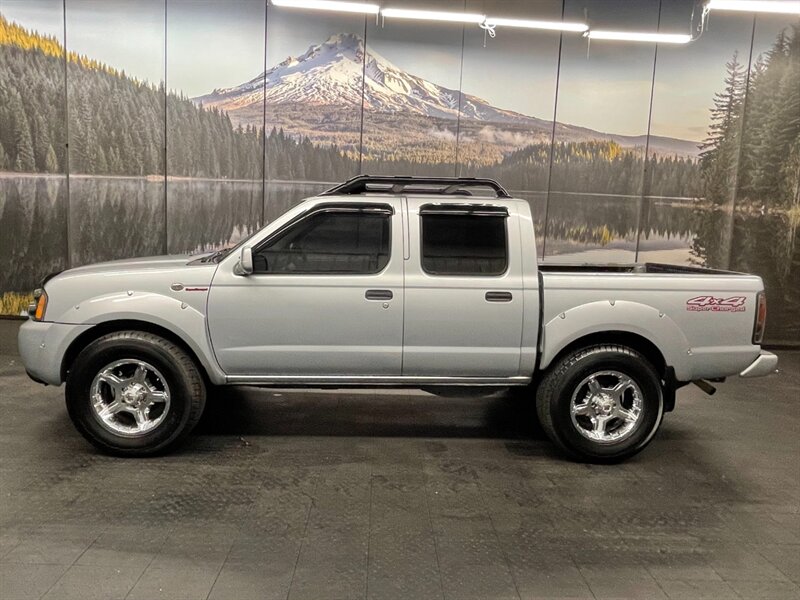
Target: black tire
[(563, 379), (187, 392)]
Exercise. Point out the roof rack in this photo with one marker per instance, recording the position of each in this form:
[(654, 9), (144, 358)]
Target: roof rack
[(402, 185)]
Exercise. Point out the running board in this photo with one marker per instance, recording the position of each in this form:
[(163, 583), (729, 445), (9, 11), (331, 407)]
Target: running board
[(370, 381)]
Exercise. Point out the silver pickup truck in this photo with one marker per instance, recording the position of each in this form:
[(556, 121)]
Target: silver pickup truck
[(428, 283)]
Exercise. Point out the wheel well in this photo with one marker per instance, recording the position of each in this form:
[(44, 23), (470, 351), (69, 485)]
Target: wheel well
[(624, 338), (635, 342), (101, 329)]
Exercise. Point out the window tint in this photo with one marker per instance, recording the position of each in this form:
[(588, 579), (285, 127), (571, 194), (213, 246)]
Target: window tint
[(329, 242), (463, 244)]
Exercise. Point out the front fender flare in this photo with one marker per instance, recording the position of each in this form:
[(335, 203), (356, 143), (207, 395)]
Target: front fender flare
[(180, 318)]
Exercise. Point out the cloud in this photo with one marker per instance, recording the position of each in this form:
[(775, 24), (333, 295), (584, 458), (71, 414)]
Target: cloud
[(444, 135), (493, 135)]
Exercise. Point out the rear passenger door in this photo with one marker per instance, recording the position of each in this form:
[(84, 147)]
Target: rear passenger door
[(463, 298)]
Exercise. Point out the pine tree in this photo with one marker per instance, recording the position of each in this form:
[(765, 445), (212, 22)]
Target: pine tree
[(24, 145), (101, 166), (768, 172), (41, 138), (783, 124), (720, 148), (51, 161)]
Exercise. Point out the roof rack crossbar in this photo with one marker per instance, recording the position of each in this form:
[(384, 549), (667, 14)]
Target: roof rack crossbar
[(400, 185)]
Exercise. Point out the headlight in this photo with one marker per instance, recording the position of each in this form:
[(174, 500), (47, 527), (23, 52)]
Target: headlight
[(37, 308)]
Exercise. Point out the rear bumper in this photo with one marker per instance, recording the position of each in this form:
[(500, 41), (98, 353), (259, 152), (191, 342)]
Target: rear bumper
[(765, 364)]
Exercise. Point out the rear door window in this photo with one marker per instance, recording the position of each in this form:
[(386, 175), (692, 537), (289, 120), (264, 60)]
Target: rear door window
[(464, 244)]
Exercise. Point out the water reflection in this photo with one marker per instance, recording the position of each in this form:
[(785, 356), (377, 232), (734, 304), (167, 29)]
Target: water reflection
[(115, 217), (33, 230), (211, 214), (591, 228), (122, 217)]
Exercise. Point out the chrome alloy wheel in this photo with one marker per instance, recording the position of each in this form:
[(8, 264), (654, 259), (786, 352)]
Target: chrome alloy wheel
[(130, 397), (606, 407)]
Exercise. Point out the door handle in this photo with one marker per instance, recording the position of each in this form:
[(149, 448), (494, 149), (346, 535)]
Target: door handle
[(498, 296), (379, 295)]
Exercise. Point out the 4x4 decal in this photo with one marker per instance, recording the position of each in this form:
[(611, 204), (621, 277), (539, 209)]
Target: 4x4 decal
[(701, 303)]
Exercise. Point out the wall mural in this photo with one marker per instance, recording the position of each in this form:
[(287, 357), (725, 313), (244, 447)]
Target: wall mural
[(191, 123)]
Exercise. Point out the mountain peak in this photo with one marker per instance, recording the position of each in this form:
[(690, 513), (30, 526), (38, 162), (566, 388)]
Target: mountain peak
[(341, 73), (345, 40), (334, 72), (341, 46)]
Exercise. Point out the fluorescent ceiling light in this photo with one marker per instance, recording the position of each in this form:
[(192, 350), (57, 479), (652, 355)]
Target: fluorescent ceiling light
[(767, 6), (554, 25), (433, 15), (334, 5), (633, 36)]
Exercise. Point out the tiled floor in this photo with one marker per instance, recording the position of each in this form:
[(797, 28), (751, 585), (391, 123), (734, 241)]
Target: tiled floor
[(401, 495)]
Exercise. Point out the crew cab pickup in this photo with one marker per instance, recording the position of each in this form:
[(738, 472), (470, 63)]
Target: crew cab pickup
[(428, 283)]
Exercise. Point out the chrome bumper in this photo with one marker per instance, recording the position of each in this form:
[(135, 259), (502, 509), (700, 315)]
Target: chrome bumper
[(765, 364)]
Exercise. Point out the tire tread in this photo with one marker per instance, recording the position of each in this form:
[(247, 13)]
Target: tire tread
[(184, 362), (545, 390)]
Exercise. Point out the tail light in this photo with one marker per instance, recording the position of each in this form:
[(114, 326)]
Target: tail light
[(761, 318), (37, 308)]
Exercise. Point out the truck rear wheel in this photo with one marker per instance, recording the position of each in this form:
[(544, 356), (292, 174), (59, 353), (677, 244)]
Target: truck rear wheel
[(133, 393), (601, 404)]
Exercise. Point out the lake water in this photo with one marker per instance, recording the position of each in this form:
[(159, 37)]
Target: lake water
[(41, 225)]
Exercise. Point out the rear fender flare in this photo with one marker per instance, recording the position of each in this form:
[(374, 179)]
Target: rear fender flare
[(621, 315)]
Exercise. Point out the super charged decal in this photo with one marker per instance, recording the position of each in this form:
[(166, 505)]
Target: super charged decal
[(701, 303)]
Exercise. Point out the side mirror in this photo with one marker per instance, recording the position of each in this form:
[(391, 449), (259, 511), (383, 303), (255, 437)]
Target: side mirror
[(244, 266)]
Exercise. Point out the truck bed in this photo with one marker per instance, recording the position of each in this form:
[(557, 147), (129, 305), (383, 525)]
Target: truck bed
[(631, 268), (703, 317)]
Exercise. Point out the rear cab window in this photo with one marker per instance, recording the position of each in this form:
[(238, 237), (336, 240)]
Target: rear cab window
[(464, 240)]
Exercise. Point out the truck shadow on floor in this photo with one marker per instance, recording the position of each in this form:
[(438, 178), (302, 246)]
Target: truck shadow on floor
[(251, 411)]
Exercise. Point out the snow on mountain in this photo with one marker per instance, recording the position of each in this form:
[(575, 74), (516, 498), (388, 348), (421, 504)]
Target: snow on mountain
[(331, 72), (330, 75)]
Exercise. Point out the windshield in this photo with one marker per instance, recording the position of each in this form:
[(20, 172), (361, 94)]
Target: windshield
[(218, 255)]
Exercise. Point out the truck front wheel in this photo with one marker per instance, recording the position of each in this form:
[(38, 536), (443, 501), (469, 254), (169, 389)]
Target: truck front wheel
[(601, 404), (133, 393)]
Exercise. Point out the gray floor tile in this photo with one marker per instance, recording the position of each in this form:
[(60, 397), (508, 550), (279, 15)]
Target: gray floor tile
[(126, 546), (743, 563), (251, 581), (766, 590), (785, 558), (174, 583), (91, 582), (403, 565), (698, 589), (26, 581), (564, 581), (625, 582), (45, 549)]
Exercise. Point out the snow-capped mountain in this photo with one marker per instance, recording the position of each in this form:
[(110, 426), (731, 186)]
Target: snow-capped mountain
[(328, 77), (331, 72)]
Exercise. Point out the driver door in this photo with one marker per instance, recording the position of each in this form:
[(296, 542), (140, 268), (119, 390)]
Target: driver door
[(325, 297)]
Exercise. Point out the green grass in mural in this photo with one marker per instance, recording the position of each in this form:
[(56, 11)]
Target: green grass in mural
[(14, 303)]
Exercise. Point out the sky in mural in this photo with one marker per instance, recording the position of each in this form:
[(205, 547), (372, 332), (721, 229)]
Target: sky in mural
[(222, 46)]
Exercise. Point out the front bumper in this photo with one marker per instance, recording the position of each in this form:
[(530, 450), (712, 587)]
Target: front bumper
[(42, 346), (765, 364)]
